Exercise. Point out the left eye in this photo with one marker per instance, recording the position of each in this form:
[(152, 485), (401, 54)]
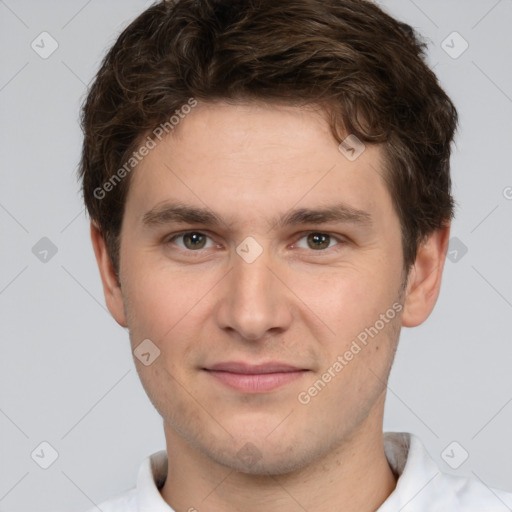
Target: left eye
[(318, 241), (192, 240)]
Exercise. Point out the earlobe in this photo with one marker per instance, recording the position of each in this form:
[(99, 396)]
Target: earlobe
[(424, 281), (109, 279)]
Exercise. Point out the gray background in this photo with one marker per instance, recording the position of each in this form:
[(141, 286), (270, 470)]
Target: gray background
[(67, 374)]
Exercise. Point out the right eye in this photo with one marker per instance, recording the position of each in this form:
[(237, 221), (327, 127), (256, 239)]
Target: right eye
[(191, 240)]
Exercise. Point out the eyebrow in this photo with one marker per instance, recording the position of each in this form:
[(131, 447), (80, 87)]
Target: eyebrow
[(177, 212)]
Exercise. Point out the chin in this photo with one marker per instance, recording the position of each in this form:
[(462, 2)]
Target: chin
[(260, 457)]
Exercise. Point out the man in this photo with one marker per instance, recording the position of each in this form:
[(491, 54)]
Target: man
[(269, 191)]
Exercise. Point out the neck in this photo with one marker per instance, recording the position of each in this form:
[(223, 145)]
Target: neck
[(354, 476)]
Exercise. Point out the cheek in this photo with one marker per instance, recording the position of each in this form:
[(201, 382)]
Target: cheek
[(163, 385), (159, 298), (346, 300), (357, 366)]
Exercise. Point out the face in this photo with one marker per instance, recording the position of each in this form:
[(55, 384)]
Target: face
[(266, 267)]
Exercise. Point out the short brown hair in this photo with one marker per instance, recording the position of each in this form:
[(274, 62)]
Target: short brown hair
[(363, 67)]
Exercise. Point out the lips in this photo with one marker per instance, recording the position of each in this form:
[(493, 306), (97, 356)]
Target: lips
[(249, 369), (258, 378)]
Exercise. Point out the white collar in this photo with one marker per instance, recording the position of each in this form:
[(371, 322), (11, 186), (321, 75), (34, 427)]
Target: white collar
[(421, 486)]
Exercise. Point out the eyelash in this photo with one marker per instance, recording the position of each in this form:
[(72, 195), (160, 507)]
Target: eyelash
[(341, 241)]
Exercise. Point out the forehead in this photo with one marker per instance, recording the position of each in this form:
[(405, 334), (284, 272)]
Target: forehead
[(256, 158), (240, 130)]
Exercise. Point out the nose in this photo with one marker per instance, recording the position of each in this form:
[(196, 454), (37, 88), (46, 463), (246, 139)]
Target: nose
[(254, 301)]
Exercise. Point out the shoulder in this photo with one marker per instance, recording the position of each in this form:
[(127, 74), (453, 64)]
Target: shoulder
[(126, 502), (468, 494), (145, 495), (422, 486)]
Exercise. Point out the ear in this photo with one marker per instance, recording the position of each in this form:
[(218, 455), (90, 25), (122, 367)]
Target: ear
[(424, 280), (111, 285)]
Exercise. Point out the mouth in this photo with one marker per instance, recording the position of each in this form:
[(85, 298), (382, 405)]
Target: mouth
[(259, 378)]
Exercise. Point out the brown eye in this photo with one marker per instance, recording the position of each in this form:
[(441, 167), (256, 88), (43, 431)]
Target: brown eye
[(191, 241), (318, 241), (194, 240)]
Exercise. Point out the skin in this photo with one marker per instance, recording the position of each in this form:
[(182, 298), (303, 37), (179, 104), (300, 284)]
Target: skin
[(296, 304)]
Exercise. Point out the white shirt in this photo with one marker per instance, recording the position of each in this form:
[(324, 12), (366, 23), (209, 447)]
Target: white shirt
[(421, 486)]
